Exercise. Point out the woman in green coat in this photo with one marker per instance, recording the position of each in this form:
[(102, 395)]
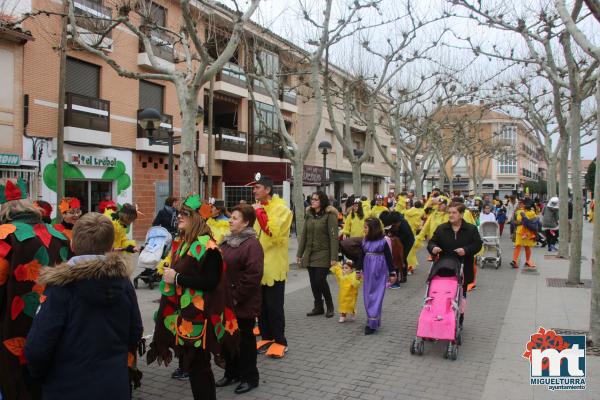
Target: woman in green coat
[(318, 249)]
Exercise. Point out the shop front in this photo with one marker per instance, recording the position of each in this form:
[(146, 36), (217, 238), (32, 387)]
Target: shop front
[(13, 167), (506, 189), (91, 174)]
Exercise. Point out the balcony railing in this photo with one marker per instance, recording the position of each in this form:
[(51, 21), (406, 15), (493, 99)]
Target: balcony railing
[(258, 87), (232, 73), (162, 44), (288, 95), (87, 112), (93, 16), (267, 148), (231, 140), (166, 123)]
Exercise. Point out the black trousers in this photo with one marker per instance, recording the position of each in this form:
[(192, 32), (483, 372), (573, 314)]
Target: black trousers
[(272, 317), (202, 379), (243, 365), (320, 287)]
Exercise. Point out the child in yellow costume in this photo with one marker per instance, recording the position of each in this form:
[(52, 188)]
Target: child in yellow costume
[(218, 221), (121, 221), (414, 217), (591, 213), (354, 224), (401, 203), (524, 238), (366, 205), (348, 284), (378, 208)]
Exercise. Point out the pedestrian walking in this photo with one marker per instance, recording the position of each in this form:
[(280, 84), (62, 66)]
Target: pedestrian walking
[(167, 216), (550, 223), (244, 258), (318, 250), (377, 268), (354, 224), (195, 317), (26, 245), (524, 238), (348, 284), (402, 238), (89, 297), (501, 217), (273, 222)]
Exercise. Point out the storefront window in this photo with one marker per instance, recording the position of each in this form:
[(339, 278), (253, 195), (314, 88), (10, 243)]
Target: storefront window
[(89, 192)]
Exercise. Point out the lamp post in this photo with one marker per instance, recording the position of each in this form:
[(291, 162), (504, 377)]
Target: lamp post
[(149, 120), (324, 148), (404, 177)]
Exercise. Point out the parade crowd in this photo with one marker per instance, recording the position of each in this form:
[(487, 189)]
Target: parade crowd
[(70, 325)]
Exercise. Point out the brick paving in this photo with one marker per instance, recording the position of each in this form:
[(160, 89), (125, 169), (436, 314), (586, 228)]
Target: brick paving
[(329, 360)]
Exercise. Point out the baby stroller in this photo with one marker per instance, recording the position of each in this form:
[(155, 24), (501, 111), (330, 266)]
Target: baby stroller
[(156, 247), (443, 304), (492, 253)]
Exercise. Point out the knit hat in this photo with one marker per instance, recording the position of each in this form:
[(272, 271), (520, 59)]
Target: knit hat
[(13, 190)]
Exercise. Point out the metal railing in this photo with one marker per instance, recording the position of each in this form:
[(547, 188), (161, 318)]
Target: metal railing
[(93, 16), (267, 148), (87, 112), (161, 42), (231, 140), (166, 123), (232, 73)]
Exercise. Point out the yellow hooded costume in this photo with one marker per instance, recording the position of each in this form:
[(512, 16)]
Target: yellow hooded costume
[(218, 227), (377, 210), (354, 226), (275, 240), (400, 204), (348, 289)]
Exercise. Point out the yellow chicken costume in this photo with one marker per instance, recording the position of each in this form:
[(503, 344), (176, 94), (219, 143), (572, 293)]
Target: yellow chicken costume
[(366, 205), (436, 218), (377, 210), (121, 241), (348, 289), (354, 226), (219, 228), (400, 204)]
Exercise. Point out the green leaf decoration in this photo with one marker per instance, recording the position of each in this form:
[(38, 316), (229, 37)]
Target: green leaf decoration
[(69, 172), (197, 343), (219, 330), (180, 341), (123, 183), (198, 248), (163, 286), (171, 323), (54, 232), (197, 329), (32, 301), (42, 256), (24, 231), (113, 173), (193, 202), (186, 299), (64, 253), (155, 316)]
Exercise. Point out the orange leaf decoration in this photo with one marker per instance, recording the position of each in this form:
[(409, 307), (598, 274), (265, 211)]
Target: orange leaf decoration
[(206, 211), (39, 289), (42, 299), (28, 272), (16, 346), (130, 359), (178, 290), (6, 229), (198, 302), (4, 267), (185, 328)]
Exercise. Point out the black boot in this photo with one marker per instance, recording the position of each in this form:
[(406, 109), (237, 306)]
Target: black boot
[(404, 274), (329, 304), (317, 310)]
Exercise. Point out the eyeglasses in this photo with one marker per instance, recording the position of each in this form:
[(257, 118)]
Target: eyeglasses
[(184, 213), (315, 199), (73, 212)]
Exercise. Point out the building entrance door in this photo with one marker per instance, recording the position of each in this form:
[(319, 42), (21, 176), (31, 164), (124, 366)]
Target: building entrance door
[(89, 192)]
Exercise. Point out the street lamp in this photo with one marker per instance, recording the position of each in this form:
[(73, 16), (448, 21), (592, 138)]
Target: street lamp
[(405, 176), (324, 148), (149, 120)]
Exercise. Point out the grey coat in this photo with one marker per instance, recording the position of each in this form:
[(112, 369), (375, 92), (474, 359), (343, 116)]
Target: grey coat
[(550, 218), (318, 244)]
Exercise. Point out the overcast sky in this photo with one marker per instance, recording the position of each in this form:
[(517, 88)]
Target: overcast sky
[(283, 17)]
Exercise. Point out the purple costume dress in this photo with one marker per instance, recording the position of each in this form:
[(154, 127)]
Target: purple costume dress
[(377, 265)]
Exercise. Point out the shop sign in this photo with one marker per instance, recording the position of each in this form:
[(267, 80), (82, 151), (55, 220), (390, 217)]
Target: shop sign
[(312, 175), (91, 161), (506, 186), (487, 186), (10, 160)]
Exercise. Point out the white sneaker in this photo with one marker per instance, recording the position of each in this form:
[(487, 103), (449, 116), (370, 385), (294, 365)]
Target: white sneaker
[(342, 319)]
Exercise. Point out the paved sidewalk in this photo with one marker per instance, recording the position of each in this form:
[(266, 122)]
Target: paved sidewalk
[(328, 360), (534, 304)]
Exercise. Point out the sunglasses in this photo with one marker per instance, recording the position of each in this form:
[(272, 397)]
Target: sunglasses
[(184, 213)]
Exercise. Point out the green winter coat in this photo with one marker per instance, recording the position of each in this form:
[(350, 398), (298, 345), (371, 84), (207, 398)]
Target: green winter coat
[(318, 244)]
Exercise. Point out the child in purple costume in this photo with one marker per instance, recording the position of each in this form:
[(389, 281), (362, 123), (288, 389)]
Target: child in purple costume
[(377, 267)]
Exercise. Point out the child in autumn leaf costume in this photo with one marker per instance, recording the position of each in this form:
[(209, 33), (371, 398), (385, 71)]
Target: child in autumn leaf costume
[(26, 244), (195, 317)]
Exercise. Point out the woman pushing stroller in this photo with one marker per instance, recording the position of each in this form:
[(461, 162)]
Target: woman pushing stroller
[(457, 237)]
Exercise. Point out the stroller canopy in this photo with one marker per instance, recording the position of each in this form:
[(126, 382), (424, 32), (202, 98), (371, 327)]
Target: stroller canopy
[(490, 229), (158, 237), (446, 266)]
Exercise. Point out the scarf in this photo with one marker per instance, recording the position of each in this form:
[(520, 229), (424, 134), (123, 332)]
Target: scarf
[(235, 240)]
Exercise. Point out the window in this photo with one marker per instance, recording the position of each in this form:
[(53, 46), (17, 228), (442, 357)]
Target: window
[(269, 67), (82, 78), (265, 130), (153, 14), (507, 164), (460, 166), (507, 135), (151, 96)]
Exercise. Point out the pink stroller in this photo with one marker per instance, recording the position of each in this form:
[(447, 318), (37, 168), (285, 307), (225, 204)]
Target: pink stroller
[(443, 304)]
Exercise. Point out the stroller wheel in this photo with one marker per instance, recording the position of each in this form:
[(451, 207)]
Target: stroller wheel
[(451, 352), (135, 283), (417, 347), (498, 262), (459, 338)]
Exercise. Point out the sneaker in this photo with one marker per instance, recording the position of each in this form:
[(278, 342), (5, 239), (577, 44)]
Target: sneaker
[(180, 375), (342, 320), (369, 331), (395, 286)]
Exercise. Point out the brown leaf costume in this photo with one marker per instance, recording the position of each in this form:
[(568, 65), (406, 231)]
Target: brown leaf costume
[(26, 245)]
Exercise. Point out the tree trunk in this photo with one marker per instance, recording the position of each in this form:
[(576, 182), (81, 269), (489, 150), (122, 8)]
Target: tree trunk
[(398, 177), (563, 195), (188, 170), (297, 194), (551, 179), (210, 146), (595, 297), (576, 236), (357, 179), (450, 185)]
